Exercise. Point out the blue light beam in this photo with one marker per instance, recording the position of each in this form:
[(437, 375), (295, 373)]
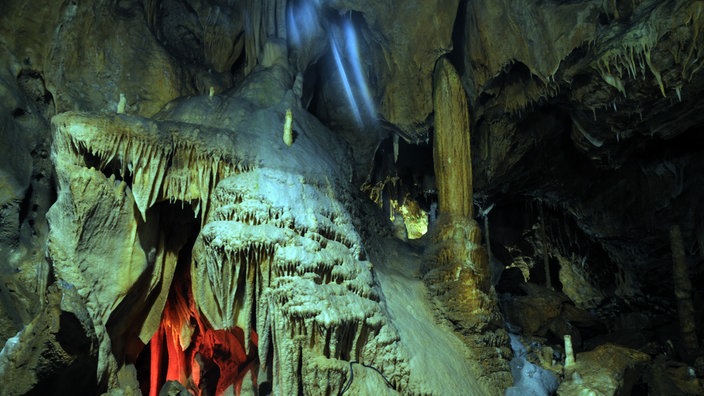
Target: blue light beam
[(345, 81), (355, 60), (302, 21)]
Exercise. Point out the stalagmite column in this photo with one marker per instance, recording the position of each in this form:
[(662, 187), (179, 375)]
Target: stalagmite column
[(683, 293), (459, 272), (452, 158)]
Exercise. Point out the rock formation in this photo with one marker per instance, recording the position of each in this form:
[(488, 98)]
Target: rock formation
[(276, 258)]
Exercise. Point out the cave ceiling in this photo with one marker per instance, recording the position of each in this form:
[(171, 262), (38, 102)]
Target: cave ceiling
[(278, 128)]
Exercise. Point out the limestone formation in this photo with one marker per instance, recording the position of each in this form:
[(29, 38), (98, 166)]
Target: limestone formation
[(458, 272), (452, 156), (288, 128), (277, 256), (280, 257)]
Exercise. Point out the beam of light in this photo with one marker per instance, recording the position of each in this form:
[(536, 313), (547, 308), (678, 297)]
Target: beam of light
[(345, 81), (355, 60), (302, 21), (294, 33)]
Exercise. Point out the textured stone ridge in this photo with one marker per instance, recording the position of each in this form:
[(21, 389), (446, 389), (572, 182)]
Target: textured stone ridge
[(165, 160), (281, 257)]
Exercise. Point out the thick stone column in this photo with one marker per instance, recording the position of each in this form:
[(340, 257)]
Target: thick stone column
[(458, 271)]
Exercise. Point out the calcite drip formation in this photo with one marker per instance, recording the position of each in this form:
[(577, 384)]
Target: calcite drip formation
[(282, 257), (172, 161), (276, 254)]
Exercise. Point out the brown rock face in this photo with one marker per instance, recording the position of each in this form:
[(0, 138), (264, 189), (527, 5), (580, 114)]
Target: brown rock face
[(413, 38), (179, 182), (52, 353)]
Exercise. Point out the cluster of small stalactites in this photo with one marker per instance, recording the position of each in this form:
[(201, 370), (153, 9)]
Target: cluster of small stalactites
[(163, 162), (276, 222), (630, 56), (286, 201), (286, 253)]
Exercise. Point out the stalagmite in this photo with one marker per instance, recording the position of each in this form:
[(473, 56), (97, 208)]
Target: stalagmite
[(683, 293), (458, 273), (569, 352), (452, 158), (121, 104), (457, 235), (288, 131)]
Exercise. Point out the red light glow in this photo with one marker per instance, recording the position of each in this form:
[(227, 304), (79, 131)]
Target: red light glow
[(186, 349)]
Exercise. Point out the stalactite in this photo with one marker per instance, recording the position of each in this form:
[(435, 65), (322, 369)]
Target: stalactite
[(700, 239), (151, 7), (160, 167), (281, 6), (485, 216), (683, 293)]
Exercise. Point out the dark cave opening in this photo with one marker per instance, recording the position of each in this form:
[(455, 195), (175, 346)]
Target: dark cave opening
[(405, 169), (25, 205), (114, 168), (458, 53), (515, 230), (402, 183)]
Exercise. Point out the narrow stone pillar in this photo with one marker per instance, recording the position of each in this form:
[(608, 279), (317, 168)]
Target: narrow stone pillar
[(452, 157)]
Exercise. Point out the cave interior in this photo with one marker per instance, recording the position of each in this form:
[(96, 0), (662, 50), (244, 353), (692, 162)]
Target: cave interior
[(316, 197)]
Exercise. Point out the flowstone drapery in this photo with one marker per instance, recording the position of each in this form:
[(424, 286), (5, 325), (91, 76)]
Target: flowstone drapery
[(281, 256), (276, 262)]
